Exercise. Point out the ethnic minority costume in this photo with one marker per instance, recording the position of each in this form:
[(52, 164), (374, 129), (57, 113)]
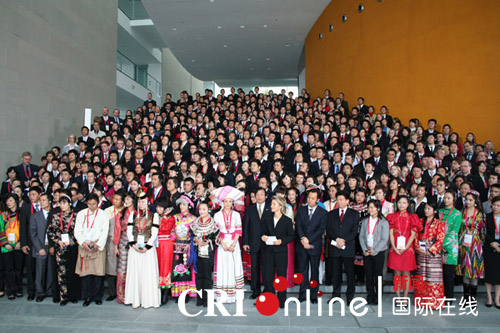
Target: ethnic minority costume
[(452, 219), (141, 286), (471, 264), (66, 256), (165, 250), (11, 259), (205, 231), (111, 258), (228, 274), (120, 239), (430, 267), (403, 225), (183, 276)]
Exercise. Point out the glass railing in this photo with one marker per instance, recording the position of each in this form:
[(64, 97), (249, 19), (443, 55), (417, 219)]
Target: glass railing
[(134, 9), (137, 73)]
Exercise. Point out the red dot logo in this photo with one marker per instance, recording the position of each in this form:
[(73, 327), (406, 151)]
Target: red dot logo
[(298, 278), (267, 304), (320, 293), (280, 283), (313, 284)]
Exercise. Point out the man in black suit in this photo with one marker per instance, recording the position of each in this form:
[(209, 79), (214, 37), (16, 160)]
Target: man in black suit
[(253, 179), (363, 109), (26, 170), (28, 209), (116, 118), (86, 138), (276, 255), (252, 231), (342, 227), (149, 100), (310, 225)]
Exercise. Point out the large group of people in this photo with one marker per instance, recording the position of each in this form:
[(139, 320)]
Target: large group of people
[(213, 192)]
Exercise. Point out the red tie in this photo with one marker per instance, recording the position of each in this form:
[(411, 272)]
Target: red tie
[(342, 216)]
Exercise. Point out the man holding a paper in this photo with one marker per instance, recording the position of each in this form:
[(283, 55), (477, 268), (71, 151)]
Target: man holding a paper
[(342, 228)]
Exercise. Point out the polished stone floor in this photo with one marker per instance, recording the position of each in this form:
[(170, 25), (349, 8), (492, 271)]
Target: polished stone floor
[(22, 316)]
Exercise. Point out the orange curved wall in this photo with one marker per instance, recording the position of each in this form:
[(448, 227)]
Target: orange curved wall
[(422, 58)]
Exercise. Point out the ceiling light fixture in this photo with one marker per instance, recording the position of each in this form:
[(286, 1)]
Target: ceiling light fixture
[(174, 29), (219, 27), (330, 28), (225, 45), (264, 26), (361, 7), (344, 18), (268, 59), (242, 26), (320, 36)]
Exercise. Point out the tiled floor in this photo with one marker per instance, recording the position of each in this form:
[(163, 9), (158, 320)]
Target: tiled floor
[(23, 316)]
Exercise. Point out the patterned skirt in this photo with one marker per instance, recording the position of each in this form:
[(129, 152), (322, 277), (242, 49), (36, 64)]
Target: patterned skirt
[(471, 263), (183, 277), (432, 288), (121, 268)]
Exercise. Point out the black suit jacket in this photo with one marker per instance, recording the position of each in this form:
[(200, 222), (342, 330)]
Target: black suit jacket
[(24, 224), (253, 225), (283, 230), (311, 229), (347, 230), (24, 175)]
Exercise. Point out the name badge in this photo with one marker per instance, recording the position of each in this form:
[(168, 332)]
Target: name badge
[(203, 250), (334, 243), (140, 240), (467, 240), (401, 243), (157, 243), (422, 244), (65, 239), (11, 237), (46, 240), (369, 240), (88, 234), (497, 236), (107, 128)]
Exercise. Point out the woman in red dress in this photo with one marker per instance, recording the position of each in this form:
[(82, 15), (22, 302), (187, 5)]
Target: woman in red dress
[(165, 248), (403, 230)]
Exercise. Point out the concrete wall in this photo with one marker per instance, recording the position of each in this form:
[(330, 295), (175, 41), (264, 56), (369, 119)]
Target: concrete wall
[(56, 58), (175, 78)]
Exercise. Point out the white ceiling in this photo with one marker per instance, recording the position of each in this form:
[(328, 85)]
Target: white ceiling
[(236, 42)]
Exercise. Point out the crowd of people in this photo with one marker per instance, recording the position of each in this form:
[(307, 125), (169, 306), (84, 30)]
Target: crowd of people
[(212, 192)]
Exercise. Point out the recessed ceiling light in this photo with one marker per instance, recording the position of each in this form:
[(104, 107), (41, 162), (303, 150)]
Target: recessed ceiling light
[(225, 45), (212, 1), (268, 59), (268, 68), (344, 18), (219, 27), (193, 60), (264, 26), (287, 45), (242, 26), (174, 29), (249, 59), (320, 36), (251, 68), (330, 28), (361, 7)]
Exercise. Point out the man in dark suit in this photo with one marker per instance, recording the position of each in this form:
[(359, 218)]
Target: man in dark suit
[(310, 225), (86, 138), (276, 255), (342, 227), (27, 210), (149, 100), (252, 231), (26, 170), (253, 179), (40, 249)]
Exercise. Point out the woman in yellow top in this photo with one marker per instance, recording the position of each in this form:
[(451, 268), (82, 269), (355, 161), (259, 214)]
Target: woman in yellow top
[(11, 248)]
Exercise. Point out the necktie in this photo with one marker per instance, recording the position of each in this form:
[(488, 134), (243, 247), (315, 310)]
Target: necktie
[(341, 215), (439, 201), (336, 168), (310, 213), (37, 207), (260, 211)]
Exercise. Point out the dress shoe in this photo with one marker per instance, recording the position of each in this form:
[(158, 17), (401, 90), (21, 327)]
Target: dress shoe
[(31, 297), (488, 305), (497, 306), (56, 299), (74, 301), (254, 296), (39, 299), (314, 301), (19, 295), (63, 303), (110, 298), (282, 306), (188, 299), (11, 297), (349, 302), (98, 302), (302, 300), (86, 302), (199, 302)]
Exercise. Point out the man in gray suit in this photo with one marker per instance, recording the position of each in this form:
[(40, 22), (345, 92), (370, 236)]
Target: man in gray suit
[(40, 249)]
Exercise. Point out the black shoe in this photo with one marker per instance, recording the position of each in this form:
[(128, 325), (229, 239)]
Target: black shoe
[(63, 303), (205, 304), (349, 302), (199, 302), (2, 294), (177, 300), (87, 302), (56, 299), (11, 297), (188, 299), (110, 298), (314, 301), (98, 302), (328, 283), (254, 296), (302, 300), (74, 301), (39, 299), (497, 306), (19, 295), (31, 297), (282, 306)]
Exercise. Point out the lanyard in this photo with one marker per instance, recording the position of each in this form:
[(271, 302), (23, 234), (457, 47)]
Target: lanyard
[(141, 229), (69, 224), (427, 227), (227, 220), (447, 216), (471, 222), (8, 220), (373, 227), (27, 173), (497, 226), (88, 213), (399, 225)]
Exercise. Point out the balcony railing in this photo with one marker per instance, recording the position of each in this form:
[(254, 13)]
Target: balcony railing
[(137, 73), (134, 9)]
